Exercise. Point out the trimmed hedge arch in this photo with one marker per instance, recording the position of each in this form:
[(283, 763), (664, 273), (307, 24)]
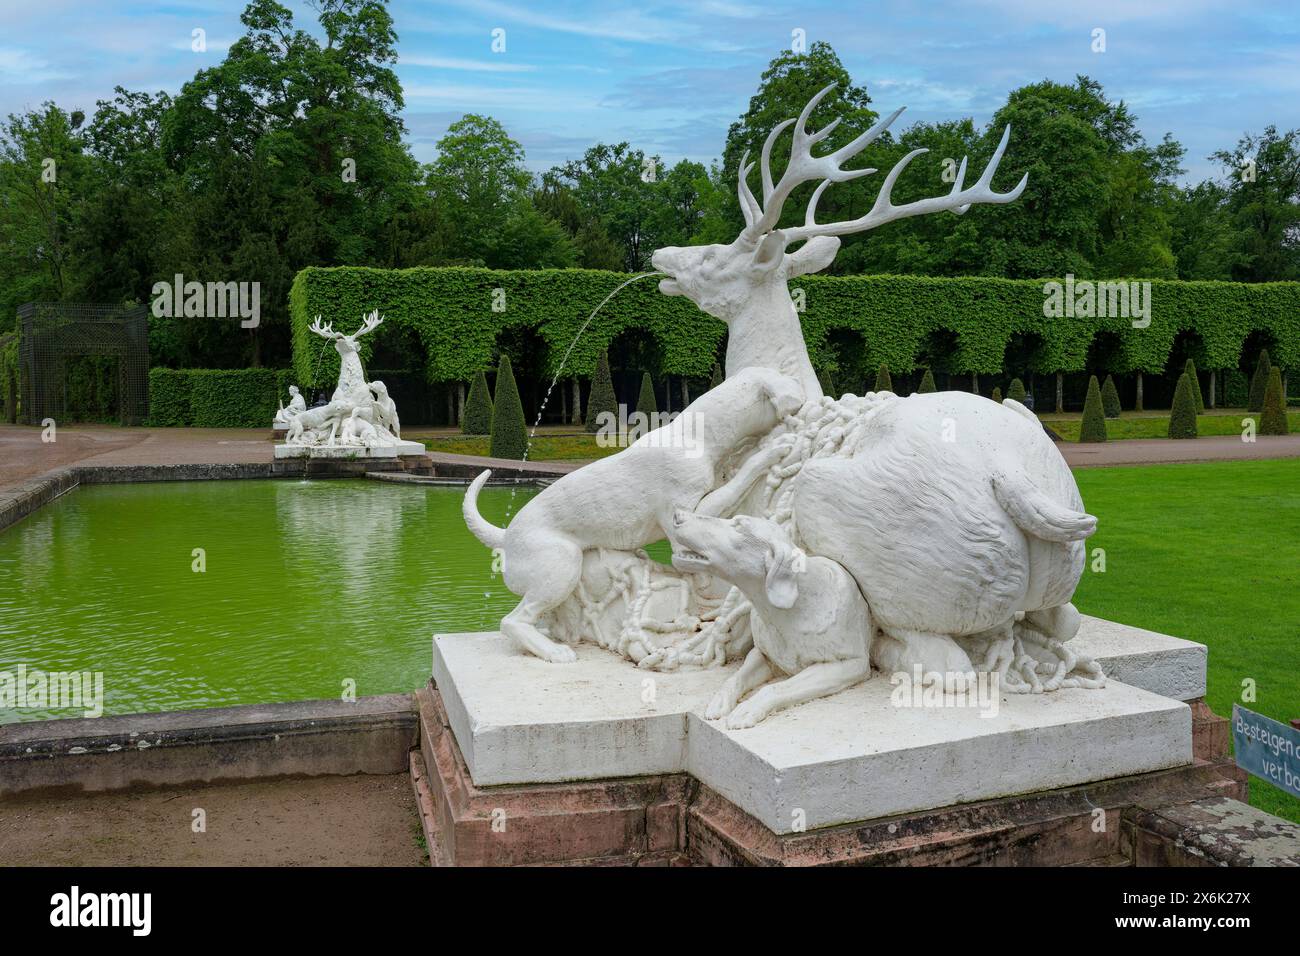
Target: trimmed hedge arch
[(459, 312)]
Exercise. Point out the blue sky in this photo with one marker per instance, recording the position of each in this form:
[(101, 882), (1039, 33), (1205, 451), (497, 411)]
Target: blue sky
[(670, 76)]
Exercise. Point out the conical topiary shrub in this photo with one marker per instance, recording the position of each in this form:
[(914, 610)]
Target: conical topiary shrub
[(645, 399), (1182, 417), (1110, 398), (927, 383), (1016, 391), (478, 408), (602, 398), (1093, 427), (1259, 382), (509, 433), (1190, 369), (1272, 420), (883, 382), (997, 394)]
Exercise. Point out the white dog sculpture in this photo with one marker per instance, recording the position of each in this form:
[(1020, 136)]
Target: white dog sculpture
[(626, 501), (809, 619)]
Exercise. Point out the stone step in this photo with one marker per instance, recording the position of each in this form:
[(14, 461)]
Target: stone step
[(1213, 831), (424, 803)]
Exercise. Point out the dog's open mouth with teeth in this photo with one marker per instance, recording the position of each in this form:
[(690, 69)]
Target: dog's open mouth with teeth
[(687, 560), (688, 537)]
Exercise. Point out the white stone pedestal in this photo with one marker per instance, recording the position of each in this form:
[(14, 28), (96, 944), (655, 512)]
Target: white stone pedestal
[(349, 451), (854, 756)]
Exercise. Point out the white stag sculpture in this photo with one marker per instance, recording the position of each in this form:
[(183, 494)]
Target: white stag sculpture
[(351, 374), (957, 516)]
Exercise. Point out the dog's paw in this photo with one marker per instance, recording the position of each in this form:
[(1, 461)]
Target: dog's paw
[(560, 654), (747, 714), (723, 702)]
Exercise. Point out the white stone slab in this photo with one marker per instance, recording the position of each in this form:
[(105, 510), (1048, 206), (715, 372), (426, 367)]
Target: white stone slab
[(1169, 666), (519, 719), (348, 451), (856, 756)]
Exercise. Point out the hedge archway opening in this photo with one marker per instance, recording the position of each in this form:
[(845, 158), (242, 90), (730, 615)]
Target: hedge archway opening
[(937, 353), (634, 352), (529, 358), (1105, 357), (1188, 344), (1021, 358), (848, 355)]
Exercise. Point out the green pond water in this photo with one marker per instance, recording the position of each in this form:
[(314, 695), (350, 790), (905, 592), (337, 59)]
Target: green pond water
[(308, 585)]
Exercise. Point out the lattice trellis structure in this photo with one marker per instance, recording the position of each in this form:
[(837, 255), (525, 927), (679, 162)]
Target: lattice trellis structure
[(53, 332)]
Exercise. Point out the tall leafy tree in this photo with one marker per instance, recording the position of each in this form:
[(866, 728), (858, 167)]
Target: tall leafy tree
[(44, 174), (615, 186), (483, 190), (1206, 242), (1262, 181), (1072, 142), (291, 149), (784, 89)]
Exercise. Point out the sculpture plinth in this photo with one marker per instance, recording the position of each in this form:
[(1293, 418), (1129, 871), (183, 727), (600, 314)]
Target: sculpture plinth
[(524, 762), (871, 751)]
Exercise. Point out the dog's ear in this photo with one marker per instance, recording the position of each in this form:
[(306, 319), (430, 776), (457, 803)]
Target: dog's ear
[(781, 584)]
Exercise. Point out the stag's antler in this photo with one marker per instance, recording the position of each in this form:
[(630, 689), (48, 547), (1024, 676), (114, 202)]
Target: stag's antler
[(325, 329), (368, 324), (805, 167)]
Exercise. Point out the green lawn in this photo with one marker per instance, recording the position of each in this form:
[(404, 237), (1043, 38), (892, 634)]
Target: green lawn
[(1147, 426), (1209, 552), (580, 447)]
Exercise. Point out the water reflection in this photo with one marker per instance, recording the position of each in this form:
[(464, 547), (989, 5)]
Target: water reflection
[(306, 585)]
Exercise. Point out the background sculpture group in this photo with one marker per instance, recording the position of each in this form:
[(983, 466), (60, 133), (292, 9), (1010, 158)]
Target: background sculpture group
[(359, 413), (942, 531)]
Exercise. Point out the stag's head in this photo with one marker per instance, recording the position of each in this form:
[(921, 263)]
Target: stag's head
[(726, 280)]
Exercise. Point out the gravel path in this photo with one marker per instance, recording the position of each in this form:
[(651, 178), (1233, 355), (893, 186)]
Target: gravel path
[(358, 820), (1153, 451), (24, 456)]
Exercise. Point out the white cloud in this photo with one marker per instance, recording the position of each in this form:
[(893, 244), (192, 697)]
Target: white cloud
[(473, 97), (456, 63), (628, 24), (20, 67)]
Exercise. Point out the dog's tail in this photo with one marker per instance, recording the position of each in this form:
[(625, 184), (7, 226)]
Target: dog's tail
[(1037, 514), (484, 530)]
